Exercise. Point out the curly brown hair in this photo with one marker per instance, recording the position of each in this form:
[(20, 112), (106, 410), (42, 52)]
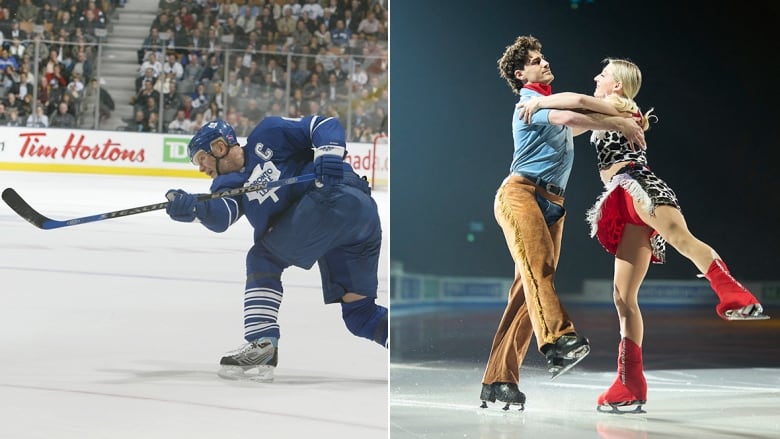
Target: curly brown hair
[(514, 58)]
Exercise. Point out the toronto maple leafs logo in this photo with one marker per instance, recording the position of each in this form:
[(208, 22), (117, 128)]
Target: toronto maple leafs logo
[(264, 172)]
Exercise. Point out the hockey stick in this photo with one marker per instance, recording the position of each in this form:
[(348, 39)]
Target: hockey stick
[(23, 209)]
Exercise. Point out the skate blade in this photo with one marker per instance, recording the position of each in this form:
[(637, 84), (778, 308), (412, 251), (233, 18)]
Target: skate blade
[(616, 409), (258, 374), (578, 355), (506, 407), (735, 315), (738, 317), (749, 312)]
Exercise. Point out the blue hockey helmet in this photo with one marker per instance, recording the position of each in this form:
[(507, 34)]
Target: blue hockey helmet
[(207, 134)]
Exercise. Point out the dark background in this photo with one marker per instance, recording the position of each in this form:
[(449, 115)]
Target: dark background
[(710, 71)]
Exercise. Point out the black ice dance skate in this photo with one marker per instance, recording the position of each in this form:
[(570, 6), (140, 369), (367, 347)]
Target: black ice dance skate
[(565, 353), (504, 392), (253, 361)]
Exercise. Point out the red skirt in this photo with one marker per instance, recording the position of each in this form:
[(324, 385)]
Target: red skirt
[(615, 208)]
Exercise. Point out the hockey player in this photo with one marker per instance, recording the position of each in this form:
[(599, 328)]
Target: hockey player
[(332, 221), (633, 219)]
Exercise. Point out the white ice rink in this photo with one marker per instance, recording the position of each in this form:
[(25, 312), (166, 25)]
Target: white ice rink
[(707, 378), (114, 329)]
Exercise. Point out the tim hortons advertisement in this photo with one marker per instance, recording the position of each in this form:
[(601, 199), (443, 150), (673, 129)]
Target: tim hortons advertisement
[(114, 152)]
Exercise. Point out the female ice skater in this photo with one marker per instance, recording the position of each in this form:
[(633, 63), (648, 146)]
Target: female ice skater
[(633, 219)]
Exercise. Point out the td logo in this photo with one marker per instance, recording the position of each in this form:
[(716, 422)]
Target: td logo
[(175, 149)]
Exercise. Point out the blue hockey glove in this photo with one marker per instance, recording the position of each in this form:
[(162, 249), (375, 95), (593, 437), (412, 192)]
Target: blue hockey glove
[(181, 206), (329, 164)]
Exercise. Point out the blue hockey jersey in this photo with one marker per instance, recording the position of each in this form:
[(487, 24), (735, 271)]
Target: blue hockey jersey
[(277, 148)]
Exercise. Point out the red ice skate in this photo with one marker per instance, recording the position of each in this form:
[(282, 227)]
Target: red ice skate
[(630, 386), (736, 302)]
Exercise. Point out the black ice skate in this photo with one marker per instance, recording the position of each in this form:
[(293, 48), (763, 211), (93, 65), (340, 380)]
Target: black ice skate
[(565, 353), (253, 361), (504, 392)]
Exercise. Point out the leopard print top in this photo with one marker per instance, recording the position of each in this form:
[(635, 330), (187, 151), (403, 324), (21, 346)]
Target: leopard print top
[(612, 147)]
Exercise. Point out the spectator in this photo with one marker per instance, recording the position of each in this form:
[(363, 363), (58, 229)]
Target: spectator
[(340, 35), (100, 18), (287, 20), (39, 119), (89, 22), (27, 13), (16, 49), (7, 60), (267, 23), (13, 118), (148, 75), (313, 9), (198, 121), (323, 36), (172, 101), (11, 101), (350, 22), (76, 86), (217, 96), (246, 20), (62, 117), (275, 74), (46, 15), (106, 102), (200, 98), (188, 19), (244, 127), (312, 88), (82, 66), (152, 122), (253, 112), (310, 24), (27, 105), (139, 123), (16, 32), (336, 90), (9, 79), (368, 26), (302, 37), (212, 70), (181, 124), (359, 77), (151, 43), (187, 108), (65, 24), (151, 63), (212, 112), (172, 67), (139, 101)]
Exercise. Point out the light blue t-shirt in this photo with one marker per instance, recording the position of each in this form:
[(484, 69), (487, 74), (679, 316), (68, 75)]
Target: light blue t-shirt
[(542, 150)]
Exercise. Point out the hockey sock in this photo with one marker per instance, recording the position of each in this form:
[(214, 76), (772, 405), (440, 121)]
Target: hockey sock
[(731, 293), (630, 386), (366, 319), (262, 299)]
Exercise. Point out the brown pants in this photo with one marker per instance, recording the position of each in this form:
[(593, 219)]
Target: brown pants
[(533, 305)]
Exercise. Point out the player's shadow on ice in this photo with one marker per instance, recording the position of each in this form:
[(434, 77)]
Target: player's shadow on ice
[(282, 378)]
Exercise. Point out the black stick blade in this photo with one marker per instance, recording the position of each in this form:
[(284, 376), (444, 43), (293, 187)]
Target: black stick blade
[(24, 210)]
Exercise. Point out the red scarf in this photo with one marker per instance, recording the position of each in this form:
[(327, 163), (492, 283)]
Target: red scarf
[(543, 89)]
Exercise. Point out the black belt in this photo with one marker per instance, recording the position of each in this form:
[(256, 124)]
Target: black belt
[(549, 187)]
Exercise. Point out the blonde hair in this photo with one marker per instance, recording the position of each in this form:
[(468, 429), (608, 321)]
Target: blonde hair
[(629, 75)]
